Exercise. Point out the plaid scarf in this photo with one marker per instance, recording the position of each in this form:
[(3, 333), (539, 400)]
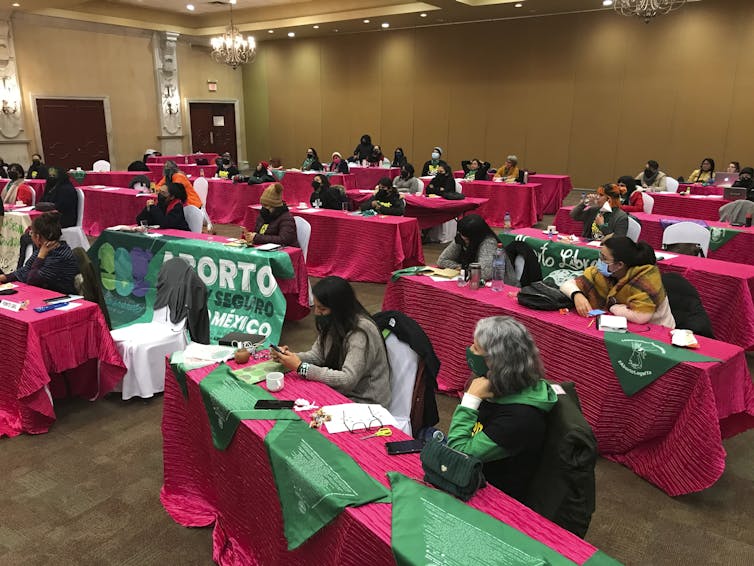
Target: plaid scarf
[(640, 289)]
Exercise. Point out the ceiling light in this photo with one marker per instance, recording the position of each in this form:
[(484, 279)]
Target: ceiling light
[(232, 48), (366, 21), (315, 27), (422, 15), (270, 31), (607, 2), (519, 5), (646, 9), (291, 34), (385, 25), (190, 7)]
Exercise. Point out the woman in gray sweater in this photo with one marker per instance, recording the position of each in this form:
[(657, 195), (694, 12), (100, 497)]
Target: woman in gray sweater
[(349, 354)]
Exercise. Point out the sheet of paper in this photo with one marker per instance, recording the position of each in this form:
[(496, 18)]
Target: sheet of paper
[(69, 306), (310, 209), (111, 189), (595, 243), (23, 209), (447, 273), (357, 416), (664, 255), (214, 353), (440, 279)]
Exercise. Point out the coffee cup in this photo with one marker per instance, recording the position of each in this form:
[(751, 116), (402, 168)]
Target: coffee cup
[(551, 229), (302, 205), (275, 381)]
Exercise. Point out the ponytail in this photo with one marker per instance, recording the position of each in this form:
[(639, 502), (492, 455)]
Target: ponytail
[(630, 253)]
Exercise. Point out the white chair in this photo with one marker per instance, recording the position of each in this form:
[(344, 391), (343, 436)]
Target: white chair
[(201, 186), (303, 234), (687, 233), (518, 266), (101, 166), (74, 236), (649, 203), (634, 229), (143, 348), (194, 218), (671, 185), (404, 364)]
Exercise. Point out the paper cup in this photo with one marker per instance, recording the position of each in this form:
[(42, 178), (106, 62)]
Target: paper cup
[(302, 205), (275, 381), (552, 229)]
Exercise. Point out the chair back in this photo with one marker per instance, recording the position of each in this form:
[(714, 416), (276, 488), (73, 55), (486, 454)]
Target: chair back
[(194, 218), (162, 316), (417, 187), (459, 186), (80, 207), (180, 287), (101, 166), (686, 305), (201, 186), (736, 211), (303, 234), (634, 229), (649, 202), (687, 233), (671, 185), (404, 364)]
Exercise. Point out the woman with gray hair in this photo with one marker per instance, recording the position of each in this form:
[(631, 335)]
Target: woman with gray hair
[(502, 417), (508, 171)]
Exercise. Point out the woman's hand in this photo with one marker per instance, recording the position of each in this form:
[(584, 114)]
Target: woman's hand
[(599, 219), (582, 304), (249, 237), (591, 200), (47, 247), (3, 279), (290, 360), (480, 387)]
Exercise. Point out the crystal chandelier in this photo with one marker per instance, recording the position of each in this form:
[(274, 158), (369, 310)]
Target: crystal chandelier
[(646, 9), (232, 48)]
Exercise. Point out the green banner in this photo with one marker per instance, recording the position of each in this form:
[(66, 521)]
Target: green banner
[(599, 558), (720, 236), (638, 360), (12, 227), (243, 294), (229, 401), (315, 480), (428, 525), (559, 261)]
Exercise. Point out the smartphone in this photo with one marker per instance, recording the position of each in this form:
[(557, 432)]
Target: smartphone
[(274, 404), (595, 312), (404, 447), (56, 299), (278, 350)]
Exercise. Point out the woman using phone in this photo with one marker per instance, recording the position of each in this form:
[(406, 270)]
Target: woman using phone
[(349, 353), (52, 264)]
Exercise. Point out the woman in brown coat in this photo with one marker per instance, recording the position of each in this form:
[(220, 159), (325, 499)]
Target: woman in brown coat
[(275, 223)]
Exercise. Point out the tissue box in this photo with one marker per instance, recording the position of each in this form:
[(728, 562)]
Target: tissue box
[(611, 323)]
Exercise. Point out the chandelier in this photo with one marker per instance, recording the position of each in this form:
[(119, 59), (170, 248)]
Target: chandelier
[(646, 9), (232, 48)]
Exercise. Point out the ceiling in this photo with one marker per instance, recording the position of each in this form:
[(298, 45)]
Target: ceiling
[(274, 19)]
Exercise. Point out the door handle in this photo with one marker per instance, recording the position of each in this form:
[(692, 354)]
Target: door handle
[(212, 137)]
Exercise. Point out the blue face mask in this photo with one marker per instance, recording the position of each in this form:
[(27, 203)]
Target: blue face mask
[(602, 268)]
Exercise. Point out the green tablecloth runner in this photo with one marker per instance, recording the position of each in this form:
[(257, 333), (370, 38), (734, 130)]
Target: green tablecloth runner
[(228, 401), (720, 236), (599, 558), (415, 270), (432, 527), (638, 360), (315, 480)]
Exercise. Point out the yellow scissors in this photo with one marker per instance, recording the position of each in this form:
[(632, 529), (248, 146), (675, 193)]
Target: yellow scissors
[(384, 431)]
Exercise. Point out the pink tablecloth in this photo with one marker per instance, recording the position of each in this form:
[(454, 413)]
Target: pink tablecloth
[(190, 170), (522, 201), (295, 290), (669, 432), (37, 184), (227, 201), (555, 188), (357, 248), (182, 159), (703, 207), (234, 489), (113, 178), (41, 349), (428, 211), (739, 249), (297, 186), (702, 189), (109, 207), (368, 177), (726, 290)]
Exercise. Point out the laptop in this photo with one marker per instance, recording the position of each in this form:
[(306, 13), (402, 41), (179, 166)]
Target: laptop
[(725, 179), (734, 193)]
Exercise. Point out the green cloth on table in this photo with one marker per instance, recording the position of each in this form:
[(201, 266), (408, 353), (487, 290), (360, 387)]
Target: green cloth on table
[(258, 372), (315, 480), (432, 527), (720, 236), (568, 260), (228, 401), (639, 361), (599, 558), (179, 371), (416, 270), (278, 174)]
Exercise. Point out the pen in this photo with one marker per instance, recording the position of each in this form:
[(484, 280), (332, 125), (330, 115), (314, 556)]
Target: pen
[(590, 323)]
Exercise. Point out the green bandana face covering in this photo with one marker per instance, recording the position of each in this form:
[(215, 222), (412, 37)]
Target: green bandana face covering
[(476, 363)]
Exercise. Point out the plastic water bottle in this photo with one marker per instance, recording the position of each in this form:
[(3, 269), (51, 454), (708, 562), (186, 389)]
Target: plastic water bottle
[(526, 177), (498, 269), (507, 222), (583, 197)]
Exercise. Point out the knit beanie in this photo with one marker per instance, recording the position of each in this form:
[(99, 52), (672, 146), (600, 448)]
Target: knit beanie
[(272, 197), (438, 150)]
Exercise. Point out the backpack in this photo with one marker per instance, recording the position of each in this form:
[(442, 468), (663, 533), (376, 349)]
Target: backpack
[(542, 297)]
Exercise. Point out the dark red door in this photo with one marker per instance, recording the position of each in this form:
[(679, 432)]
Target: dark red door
[(74, 133), (213, 127)]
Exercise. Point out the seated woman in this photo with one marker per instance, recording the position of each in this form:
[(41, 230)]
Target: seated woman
[(325, 195), (406, 182), (705, 174), (167, 211), (502, 418), (733, 167), (349, 353), (377, 158), (261, 174), (746, 180), (625, 282), (311, 161), (475, 170), (475, 242), (275, 223), (431, 165), (62, 196), (633, 193), (171, 174), (17, 190), (226, 169), (52, 264), (386, 199), (399, 158), (601, 214), (443, 181), (338, 164), (508, 171)]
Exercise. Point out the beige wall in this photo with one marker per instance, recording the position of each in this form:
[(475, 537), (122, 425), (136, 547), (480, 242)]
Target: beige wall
[(593, 95)]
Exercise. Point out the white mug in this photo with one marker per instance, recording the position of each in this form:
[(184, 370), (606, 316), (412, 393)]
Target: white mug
[(275, 381)]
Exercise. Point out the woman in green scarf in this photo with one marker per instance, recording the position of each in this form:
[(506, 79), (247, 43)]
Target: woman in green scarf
[(311, 161)]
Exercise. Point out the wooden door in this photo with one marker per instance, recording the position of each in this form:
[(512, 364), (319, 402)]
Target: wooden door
[(74, 132), (213, 127)]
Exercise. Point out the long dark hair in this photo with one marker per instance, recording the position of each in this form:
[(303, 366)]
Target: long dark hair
[(324, 181), (476, 230), (337, 294), (629, 252)]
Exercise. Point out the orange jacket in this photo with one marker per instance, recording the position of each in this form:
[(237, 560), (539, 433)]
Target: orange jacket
[(191, 197)]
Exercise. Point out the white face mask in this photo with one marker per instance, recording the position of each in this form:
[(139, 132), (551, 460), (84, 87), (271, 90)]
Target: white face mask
[(606, 207), (435, 155)]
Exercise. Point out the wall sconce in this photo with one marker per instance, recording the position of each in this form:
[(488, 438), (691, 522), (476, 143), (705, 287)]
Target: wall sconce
[(11, 97), (170, 101)]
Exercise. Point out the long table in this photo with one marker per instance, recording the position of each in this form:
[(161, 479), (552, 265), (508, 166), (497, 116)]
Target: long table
[(110, 206), (356, 248), (227, 201), (726, 289), (191, 170), (52, 354), (555, 188), (297, 185), (428, 211), (669, 432), (702, 207), (368, 177), (738, 249), (184, 159), (234, 489), (113, 178)]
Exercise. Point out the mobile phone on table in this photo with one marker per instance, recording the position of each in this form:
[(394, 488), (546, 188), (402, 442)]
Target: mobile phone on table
[(274, 404), (278, 350), (404, 447), (56, 299), (595, 312)]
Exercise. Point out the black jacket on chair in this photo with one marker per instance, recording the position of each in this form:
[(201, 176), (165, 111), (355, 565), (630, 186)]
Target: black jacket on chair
[(181, 290), (686, 305), (532, 270)]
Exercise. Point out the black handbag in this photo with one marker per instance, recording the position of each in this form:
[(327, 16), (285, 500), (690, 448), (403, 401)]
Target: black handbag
[(542, 297), (452, 195), (452, 471)]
